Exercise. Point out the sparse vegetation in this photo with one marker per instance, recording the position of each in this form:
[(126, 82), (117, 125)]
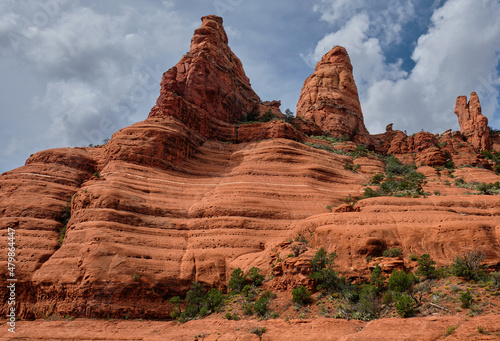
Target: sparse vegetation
[(400, 281), (450, 330), (258, 331), (426, 267), (256, 116), (399, 180), (199, 303), (301, 295), (64, 219), (351, 167), (466, 299), (395, 252), (323, 274), (405, 305), (261, 306), (468, 265), (237, 281)]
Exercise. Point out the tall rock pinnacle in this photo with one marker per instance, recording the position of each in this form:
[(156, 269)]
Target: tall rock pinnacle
[(330, 98), (473, 125), (207, 84)]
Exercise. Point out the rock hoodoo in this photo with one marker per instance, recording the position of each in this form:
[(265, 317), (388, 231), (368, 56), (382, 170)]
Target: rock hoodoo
[(329, 97), (208, 86), (473, 125)]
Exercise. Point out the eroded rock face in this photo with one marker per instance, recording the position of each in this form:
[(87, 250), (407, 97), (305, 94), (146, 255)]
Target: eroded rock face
[(473, 125), (329, 97)]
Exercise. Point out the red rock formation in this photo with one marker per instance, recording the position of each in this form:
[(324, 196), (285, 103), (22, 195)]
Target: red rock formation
[(208, 86), (165, 202), (473, 125), (329, 97)]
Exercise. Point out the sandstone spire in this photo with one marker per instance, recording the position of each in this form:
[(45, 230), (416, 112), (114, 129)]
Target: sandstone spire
[(330, 98), (473, 125), (207, 84)]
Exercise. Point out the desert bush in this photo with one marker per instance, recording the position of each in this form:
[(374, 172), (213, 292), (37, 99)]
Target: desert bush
[(405, 305), (368, 307), (323, 273), (495, 278), (413, 257), (400, 281), (351, 167), (466, 299), (261, 306), (426, 267), (255, 276), (249, 292), (268, 116), (395, 252), (248, 309), (198, 302), (488, 188), (450, 330), (468, 265), (298, 249), (377, 278), (377, 178), (258, 331), (237, 281), (301, 295)]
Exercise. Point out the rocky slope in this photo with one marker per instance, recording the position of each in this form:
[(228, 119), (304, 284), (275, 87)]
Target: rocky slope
[(192, 192)]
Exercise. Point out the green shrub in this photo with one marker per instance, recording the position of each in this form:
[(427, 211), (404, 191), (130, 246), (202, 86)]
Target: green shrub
[(268, 116), (489, 189), (237, 281), (214, 300), (377, 178), (323, 273), (400, 281), (249, 292), (195, 302), (301, 295), (252, 116), (261, 306), (395, 252), (351, 167), (322, 259), (377, 278), (405, 305), (370, 193), (258, 331), (248, 309), (466, 299), (198, 302), (176, 302), (468, 265), (413, 257), (450, 330), (255, 276), (368, 307), (426, 268), (495, 278)]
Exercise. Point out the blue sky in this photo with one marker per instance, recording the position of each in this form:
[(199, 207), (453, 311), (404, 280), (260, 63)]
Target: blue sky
[(73, 72)]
